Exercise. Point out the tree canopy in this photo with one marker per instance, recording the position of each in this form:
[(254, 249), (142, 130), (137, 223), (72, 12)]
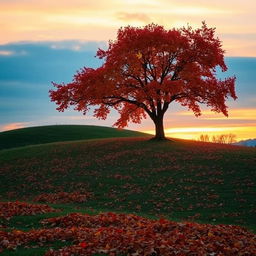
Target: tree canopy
[(147, 68)]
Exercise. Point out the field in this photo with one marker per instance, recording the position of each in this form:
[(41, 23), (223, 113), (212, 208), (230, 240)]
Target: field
[(134, 189)]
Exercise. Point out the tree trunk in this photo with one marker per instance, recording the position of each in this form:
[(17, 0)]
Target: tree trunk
[(159, 128)]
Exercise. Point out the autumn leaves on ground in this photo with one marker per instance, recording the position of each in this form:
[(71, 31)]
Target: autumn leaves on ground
[(127, 196)]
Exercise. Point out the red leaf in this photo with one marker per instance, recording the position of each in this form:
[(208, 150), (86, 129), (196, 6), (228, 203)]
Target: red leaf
[(83, 244)]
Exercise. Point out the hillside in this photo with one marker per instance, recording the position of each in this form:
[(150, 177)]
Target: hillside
[(246, 143), (57, 133), (175, 180), (179, 179)]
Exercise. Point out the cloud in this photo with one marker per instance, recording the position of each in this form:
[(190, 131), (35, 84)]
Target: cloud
[(6, 53), (248, 36), (25, 79), (99, 20), (43, 62), (77, 45), (244, 114), (12, 53), (125, 16), (13, 126)]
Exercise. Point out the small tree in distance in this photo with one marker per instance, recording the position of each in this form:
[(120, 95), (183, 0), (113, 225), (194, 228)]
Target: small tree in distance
[(222, 138), (145, 70), (204, 138)]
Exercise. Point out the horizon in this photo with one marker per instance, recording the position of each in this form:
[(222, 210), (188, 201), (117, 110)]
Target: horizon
[(147, 132), (63, 39)]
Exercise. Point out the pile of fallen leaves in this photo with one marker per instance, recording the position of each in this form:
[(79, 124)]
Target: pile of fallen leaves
[(9, 209), (127, 234), (64, 197)]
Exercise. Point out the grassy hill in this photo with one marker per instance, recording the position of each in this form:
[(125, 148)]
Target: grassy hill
[(55, 133), (178, 180)]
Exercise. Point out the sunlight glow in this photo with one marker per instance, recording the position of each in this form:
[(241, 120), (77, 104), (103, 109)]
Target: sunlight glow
[(140, 2), (234, 114), (193, 133), (195, 11), (195, 129)]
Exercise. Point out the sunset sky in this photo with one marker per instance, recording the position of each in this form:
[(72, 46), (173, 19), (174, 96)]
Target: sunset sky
[(44, 41)]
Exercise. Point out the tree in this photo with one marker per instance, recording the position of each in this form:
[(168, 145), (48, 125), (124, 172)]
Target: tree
[(225, 138), (204, 138), (222, 138), (145, 69)]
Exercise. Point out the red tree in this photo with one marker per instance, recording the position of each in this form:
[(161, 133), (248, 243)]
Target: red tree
[(146, 69)]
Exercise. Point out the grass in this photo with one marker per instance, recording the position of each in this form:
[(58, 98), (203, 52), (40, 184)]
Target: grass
[(178, 180), (175, 179), (57, 133)]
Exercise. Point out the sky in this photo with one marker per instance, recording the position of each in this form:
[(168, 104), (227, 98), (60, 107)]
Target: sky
[(44, 41)]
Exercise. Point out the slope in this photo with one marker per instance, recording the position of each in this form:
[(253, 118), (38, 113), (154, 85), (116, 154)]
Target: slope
[(55, 133), (179, 179)]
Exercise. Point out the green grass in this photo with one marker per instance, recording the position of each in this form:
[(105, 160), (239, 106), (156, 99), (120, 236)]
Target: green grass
[(57, 133), (179, 180), (175, 179)]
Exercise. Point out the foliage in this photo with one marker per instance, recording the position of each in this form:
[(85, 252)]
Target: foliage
[(63, 197), (10, 209), (128, 234), (146, 69)]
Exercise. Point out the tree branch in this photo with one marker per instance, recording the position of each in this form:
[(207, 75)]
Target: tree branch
[(134, 102)]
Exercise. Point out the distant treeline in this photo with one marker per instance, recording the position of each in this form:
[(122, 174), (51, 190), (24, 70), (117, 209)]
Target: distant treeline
[(222, 138)]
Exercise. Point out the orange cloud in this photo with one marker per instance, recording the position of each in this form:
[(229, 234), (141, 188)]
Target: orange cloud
[(99, 20), (234, 114), (13, 126), (133, 17)]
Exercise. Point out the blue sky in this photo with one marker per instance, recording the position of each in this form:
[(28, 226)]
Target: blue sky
[(27, 69), (26, 74)]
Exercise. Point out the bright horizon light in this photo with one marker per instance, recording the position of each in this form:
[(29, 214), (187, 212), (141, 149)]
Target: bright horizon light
[(193, 133)]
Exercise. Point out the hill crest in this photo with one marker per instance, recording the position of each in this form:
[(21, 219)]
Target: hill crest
[(58, 133)]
